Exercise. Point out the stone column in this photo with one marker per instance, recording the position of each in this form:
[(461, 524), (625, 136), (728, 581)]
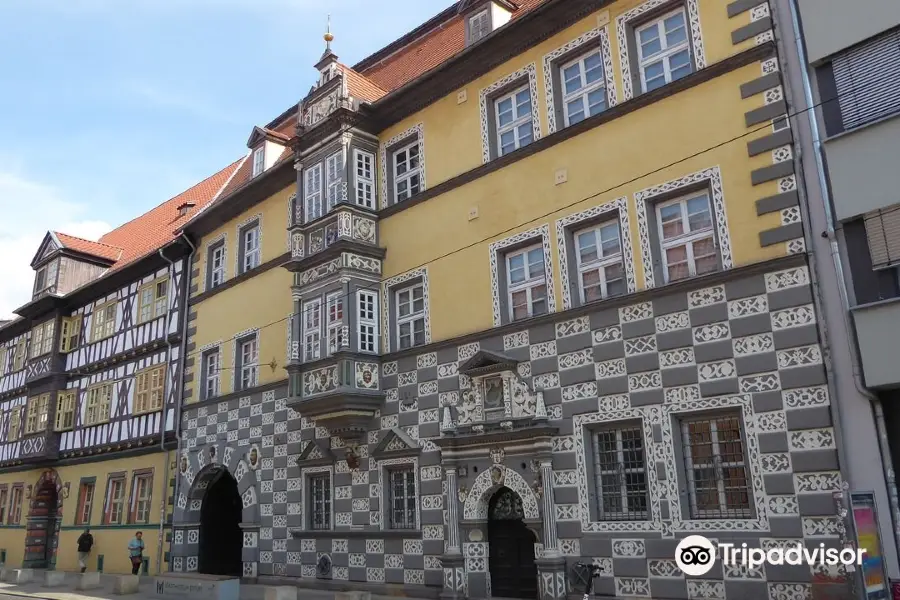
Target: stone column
[(296, 324), (452, 561), (552, 565)]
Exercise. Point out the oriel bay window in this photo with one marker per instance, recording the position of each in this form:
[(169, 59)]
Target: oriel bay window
[(513, 120), (620, 476), (312, 192), (365, 178), (598, 252), (526, 283), (664, 52), (687, 238), (583, 87), (410, 307), (715, 466), (334, 170), (367, 321), (312, 330), (99, 398), (335, 321)]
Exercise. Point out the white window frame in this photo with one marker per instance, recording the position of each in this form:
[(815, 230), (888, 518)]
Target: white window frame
[(367, 321), (364, 165), (689, 238), (249, 349), (211, 368), (259, 161), (312, 329), (518, 120), (586, 88), (334, 164), (667, 51), (250, 238), (529, 284), (718, 465), (409, 174), (312, 192), (333, 326), (412, 317), (483, 20), (217, 266), (602, 261)]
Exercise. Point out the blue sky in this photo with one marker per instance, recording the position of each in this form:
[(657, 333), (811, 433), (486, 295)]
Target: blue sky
[(109, 107)]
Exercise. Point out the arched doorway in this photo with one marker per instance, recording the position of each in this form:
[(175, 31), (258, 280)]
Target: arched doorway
[(221, 541), (510, 548), (42, 528)]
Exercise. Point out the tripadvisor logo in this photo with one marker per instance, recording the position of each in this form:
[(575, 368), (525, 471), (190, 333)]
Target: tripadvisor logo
[(696, 555)]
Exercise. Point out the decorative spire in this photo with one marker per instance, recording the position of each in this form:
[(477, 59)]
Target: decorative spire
[(328, 37)]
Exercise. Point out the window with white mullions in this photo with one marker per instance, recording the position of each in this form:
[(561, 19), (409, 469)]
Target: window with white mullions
[(620, 474), (211, 374), (259, 161), (716, 468), (249, 363), (584, 87), (335, 321), (367, 321), (312, 330), (526, 283), (403, 499), (410, 303), (687, 237), (217, 266), (334, 166), (599, 259), (664, 53), (251, 248), (513, 120), (320, 502), (312, 192), (365, 178), (407, 171)]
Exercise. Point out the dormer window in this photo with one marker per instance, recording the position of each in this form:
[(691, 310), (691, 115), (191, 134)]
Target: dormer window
[(259, 160), (185, 208), (479, 26), (45, 277)]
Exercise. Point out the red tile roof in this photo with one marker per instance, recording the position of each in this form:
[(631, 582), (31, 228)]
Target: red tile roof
[(360, 86), (104, 251), (154, 229)]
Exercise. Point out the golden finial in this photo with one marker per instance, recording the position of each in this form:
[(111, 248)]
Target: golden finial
[(328, 37)]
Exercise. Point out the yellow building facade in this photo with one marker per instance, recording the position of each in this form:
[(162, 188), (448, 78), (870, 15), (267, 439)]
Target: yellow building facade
[(550, 304)]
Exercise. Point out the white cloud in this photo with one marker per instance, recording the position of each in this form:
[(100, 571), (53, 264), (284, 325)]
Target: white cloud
[(29, 209)]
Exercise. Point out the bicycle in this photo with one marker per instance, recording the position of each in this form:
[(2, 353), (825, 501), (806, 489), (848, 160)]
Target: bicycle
[(594, 571)]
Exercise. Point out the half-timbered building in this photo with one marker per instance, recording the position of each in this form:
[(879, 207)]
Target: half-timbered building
[(89, 390)]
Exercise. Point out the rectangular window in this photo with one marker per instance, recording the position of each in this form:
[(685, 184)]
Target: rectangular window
[(599, 259), (249, 355), (19, 353), (259, 161), (334, 321), (513, 120), (312, 192), (65, 411), (99, 398), (104, 321), (141, 490), (70, 334), (583, 87), (664, 53), (867, 80), (250, 248), (42, 339), (15, 506), (715, 464), (367, 321), (526, 285), (4, 500), (312, 330), (407, 171), (85, 503), (115, 501), (620, 475), (36, 417), (15, 424), (216, 265), (686, 236), (479, 26), (149, 389), (410, 303), (320, 501), (365, 178), (211, 374), (334, 177), (45, 278), (403, 499), (153, 300)]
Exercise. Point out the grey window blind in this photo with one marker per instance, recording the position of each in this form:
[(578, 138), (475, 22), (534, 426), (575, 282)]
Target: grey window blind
[(883, 233), (868, 80)]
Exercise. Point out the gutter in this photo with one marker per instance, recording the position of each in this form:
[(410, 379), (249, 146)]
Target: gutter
[(855, 359)]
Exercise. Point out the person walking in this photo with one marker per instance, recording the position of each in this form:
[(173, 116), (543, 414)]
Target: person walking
[(136, 552), (85, 542)]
